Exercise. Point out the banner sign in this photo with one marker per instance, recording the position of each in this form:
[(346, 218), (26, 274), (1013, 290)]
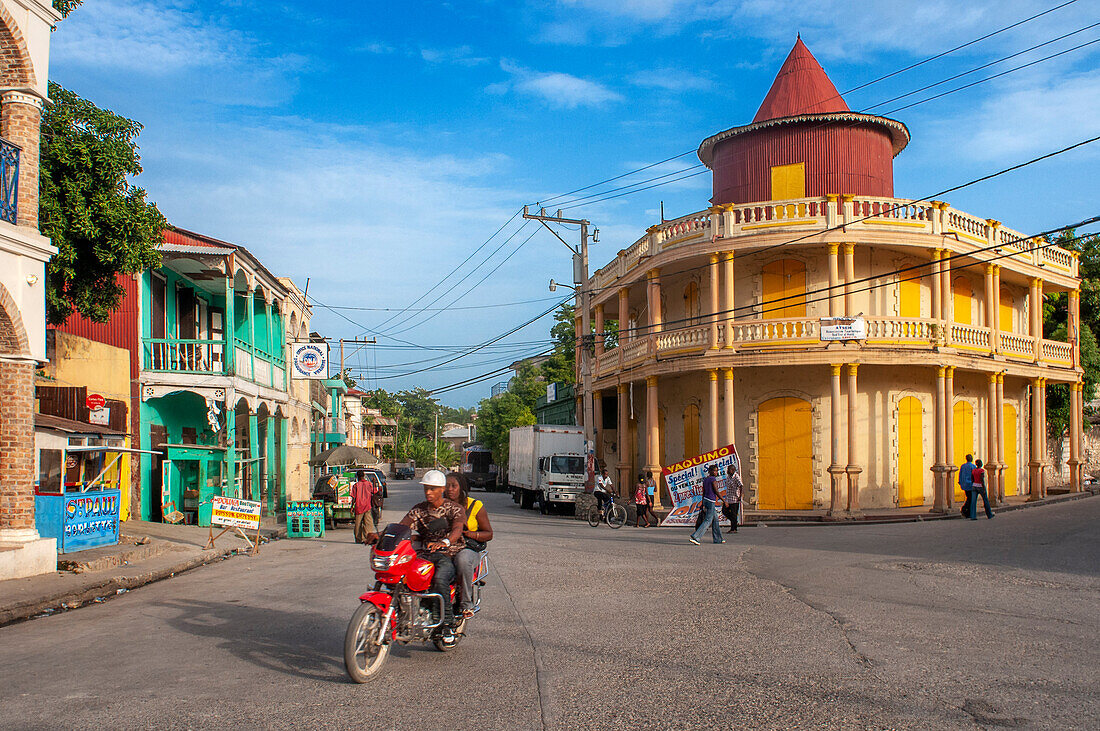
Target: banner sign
[(685, 483), (91, 520), (309, 360), (843, 328), (235, 513)]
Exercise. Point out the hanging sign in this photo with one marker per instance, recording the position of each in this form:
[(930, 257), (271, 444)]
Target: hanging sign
[(843, 328), (100, 416), (309, 360), (685, 483), (94, 401)]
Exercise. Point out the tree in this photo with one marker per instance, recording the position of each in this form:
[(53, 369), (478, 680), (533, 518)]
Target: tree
[(66, 6), (559, 367), (101, 223), (456, 414), (496, 417)]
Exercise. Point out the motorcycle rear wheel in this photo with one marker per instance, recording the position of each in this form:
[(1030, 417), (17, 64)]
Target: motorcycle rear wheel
[(364, 651), (616, 516), (443, 646)]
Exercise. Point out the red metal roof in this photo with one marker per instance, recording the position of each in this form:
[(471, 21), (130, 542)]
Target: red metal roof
[(800, 87)]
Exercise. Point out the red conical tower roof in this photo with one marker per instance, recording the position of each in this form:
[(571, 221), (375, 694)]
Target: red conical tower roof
[(800, 87)]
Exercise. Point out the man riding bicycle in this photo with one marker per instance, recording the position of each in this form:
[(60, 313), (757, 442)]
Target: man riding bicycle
[(602, 492)]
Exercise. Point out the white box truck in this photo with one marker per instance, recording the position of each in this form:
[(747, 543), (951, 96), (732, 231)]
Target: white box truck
[(546, 463)]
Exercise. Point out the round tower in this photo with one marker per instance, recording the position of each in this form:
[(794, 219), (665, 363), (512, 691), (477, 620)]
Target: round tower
[(803, 141)]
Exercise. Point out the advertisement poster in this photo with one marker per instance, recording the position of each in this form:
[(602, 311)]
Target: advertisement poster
[(685, 483), (91, 521), (234, 513)]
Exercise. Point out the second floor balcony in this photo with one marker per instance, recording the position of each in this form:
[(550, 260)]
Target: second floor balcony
[(209, 357)]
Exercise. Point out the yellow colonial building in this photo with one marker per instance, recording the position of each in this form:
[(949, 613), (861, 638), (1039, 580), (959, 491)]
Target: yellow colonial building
[(853, 345)]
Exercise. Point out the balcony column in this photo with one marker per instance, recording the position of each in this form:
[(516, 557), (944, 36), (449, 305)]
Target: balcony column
[(996, 308), (271, 464), (849, 275), (948, 306), (1075, 326), (991, 439), (625, 334), (653, 436), (728, 296), (20, 123), (1035, 310), (990, 309), (853, 468), (230, 446), (270, 342), (1035, 463), (728, 434), (1043, 434), (1000, 439), (626, 463), (597, 419), (253, 454), (251, 313), (1074, 437), (599, 344), (834, 282), (715, 301), (713, 437), (939, 469), (949, 439), (653, 299), (937, 286), (836, 469), (229, 326)]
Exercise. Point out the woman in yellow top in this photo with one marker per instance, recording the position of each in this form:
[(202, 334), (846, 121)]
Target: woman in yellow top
[(477, 533)]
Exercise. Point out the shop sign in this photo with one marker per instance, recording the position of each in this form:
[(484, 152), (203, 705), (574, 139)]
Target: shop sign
[(235, 513), (551, 392), (94, 401), (309, 360), (685, 483), (843, 328), (90, 521), (100, 416)]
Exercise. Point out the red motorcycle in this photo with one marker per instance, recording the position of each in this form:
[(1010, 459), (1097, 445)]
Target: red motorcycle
[(402, 607)]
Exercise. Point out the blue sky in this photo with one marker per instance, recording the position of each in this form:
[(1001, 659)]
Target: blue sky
[(373, 146)]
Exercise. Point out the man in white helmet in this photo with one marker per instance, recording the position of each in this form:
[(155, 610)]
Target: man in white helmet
[(438, 522)]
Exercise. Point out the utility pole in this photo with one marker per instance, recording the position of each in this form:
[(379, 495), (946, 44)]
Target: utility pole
[(580, 280), (435, 441), (353, 341)]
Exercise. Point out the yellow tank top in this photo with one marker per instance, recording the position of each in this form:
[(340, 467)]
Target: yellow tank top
[(472, 509)]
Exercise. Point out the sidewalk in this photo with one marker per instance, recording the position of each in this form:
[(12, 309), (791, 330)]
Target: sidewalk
[(146, 552)]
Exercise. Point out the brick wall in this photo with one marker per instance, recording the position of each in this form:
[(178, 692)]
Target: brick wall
[(20, 119), (16, 446)]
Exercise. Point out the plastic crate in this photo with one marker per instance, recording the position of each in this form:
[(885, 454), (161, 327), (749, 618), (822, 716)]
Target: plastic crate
[(305, 519)]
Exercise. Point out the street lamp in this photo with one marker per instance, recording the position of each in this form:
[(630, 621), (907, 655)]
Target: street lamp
[(554, 286)]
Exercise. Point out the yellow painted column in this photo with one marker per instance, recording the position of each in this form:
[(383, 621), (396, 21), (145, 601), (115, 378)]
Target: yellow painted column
[(1035, 307), (715, 300), (599, 324), (990, 309), (728, 296), (949, 438), (937, 285), (1075, 325), (713, 436), (728, 434), (1035, 464), (948, 310), (653, 292), (1000, 440), (834, 281), (836, 468), (939, 503), (1074, 437), (653, 434), (625, 449), (625, 334), (996, 311), (853, 468), (991, 439), (849, 279), (1043, 435)]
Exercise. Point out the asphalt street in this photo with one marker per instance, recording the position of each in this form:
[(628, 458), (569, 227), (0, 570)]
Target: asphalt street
[(947, 624)]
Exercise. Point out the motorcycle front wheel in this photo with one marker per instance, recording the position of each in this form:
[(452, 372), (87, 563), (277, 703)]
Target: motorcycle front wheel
[(364, 649)]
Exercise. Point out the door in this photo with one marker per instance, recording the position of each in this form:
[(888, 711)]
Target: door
[(963, 438), (785, 479), (691, 432), (1008, 305), (789, 181), (909, 297), (963, 295), (1008, 414), (158, 437), (910, 452), (784, 290)]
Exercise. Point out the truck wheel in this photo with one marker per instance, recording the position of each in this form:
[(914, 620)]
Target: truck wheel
[(515, 495), (544, 506), (527, 500)]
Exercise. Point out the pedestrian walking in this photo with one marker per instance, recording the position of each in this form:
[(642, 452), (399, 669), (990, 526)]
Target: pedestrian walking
[(710, 499), (641, 503), (732, 508), (650, 492), (978, 489), (966, 483), (361, 492)]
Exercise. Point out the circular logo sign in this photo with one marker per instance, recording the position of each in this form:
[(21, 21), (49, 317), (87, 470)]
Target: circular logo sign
[(94, 401), (309, 360)]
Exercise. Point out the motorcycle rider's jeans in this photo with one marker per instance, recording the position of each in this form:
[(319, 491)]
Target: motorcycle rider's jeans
[(466, 562), (441, 579)]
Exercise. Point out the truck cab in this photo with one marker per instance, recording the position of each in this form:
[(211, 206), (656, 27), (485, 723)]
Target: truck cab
[(561, 478)]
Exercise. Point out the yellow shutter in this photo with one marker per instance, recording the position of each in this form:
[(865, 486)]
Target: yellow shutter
[(910, 298), (962, 292), (789, 181)]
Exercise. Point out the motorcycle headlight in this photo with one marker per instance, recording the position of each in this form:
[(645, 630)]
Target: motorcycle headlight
[(381, 563)]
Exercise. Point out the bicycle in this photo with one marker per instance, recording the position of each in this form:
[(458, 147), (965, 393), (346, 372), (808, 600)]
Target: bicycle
[(614, 515)]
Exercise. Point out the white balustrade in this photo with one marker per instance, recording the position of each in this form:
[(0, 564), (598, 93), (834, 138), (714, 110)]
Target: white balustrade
[(751, 332), (1017, 344), (901, 330), (1055, 351), (636, 349), (684, 338), (969, 336)]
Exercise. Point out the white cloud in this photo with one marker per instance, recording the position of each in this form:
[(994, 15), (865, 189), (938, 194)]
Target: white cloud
[(461, 56), (669, 79), (377, 47), (556, 89)]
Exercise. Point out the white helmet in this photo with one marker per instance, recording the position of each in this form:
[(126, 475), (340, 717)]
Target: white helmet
[(433, 478)]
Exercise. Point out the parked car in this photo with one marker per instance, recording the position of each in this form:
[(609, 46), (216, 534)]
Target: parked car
[(381, 479), (405, 473)]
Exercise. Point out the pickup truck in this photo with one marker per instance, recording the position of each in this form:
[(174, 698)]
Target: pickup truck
[(405, 473)]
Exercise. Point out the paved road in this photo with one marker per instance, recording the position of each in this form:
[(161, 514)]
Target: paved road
[(940, 625)]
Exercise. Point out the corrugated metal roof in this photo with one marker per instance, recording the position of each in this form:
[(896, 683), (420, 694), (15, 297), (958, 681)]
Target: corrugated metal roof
[(44, 421), (800, 87), (195, 249)]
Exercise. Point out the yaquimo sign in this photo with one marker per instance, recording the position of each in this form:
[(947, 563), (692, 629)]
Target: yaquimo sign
[(843, 328), (309, 360), (235, 515)]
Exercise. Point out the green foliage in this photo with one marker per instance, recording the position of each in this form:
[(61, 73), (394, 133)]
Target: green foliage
[(100, 223), (66, 6), (456, 414), (415, 411), (348, 380), (496, 417), (559, 368), (1058, 394), (422, 451)]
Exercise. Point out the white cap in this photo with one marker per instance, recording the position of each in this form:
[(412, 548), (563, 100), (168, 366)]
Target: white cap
[(434, 478)]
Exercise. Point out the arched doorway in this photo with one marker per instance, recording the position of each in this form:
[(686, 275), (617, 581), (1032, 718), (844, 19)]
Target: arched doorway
[(963, 437), (784, 290), (910, 452), (785, 479), (1008, 414)]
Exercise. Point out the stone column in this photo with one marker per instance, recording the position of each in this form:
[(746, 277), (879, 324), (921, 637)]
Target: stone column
[(996, 310), (653, 292), (713, 435), (1074, 437), (939, 469), (597, 418), (1075, 326), (834, 281), (849, 278), (836, 468), (937, 285), (653, 434), (949, 438), (853, 468), (1043, 435), (251, 314), (991, 439), (728, 296), (948, 296), (1000, 439), (1035, 464), (599, 344), (625, 334), (17, 452), (20, 124), (728, 433), (1035, 310), (715, 300), (625, 449), (990, 309)]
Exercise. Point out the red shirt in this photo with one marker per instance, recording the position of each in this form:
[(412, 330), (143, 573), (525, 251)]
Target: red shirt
[(978, 475), (361, 493)]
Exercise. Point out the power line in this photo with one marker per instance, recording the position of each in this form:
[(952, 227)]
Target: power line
[(441, 309)]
